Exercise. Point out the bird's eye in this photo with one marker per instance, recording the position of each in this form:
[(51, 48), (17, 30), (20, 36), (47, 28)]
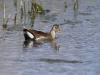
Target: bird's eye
[(55, 27)]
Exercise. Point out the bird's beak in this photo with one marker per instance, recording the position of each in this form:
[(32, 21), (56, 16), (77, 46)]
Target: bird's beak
[(58, 30)]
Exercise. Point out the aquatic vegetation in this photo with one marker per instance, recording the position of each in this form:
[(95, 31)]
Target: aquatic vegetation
[(36, 8), (59, 61)]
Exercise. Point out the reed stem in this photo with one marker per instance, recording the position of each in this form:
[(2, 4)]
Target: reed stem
[(4, 14), (21, 7), (75, 8)]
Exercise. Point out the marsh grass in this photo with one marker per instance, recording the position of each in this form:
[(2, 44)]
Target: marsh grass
[(33, 10)]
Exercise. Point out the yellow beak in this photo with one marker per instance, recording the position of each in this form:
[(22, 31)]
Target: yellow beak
[(58, 30)]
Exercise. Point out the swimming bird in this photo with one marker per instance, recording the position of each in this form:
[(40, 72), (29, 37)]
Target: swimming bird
[(32, 34)]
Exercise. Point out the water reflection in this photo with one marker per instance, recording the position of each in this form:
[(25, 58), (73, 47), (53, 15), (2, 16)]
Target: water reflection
[(54, 44), (30, 43), (33, 43)]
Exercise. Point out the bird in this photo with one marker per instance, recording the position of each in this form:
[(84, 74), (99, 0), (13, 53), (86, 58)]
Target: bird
[(31, 34)]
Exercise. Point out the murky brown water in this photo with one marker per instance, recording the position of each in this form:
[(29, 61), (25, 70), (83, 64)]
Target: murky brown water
[(79, 40)]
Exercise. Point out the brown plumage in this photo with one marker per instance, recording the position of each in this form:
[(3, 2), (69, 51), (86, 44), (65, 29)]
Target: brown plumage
[(36, 35)]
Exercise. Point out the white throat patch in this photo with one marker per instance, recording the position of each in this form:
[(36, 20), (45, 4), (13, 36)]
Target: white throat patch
[(53, 34)]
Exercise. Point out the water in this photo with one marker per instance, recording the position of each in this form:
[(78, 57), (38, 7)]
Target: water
[(78, 41)]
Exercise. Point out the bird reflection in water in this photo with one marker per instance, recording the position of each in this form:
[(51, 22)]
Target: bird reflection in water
[(34, 43)]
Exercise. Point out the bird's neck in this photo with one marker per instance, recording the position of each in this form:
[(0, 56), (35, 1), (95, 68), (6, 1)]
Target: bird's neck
[(53, 34)]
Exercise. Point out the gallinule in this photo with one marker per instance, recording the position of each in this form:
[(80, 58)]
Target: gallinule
[(37, 35)]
